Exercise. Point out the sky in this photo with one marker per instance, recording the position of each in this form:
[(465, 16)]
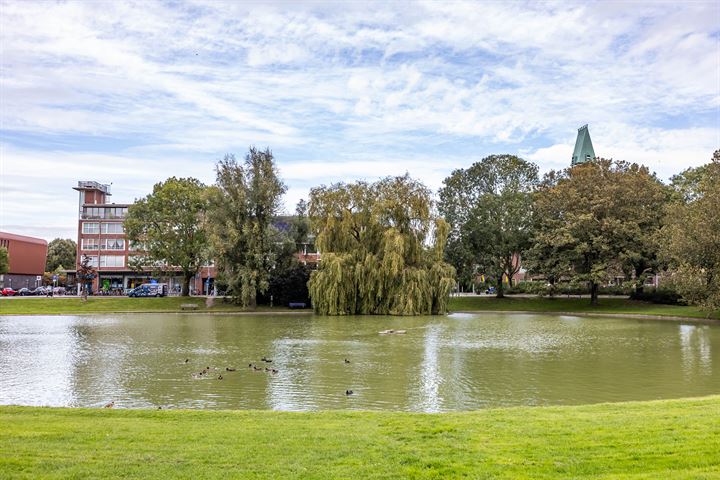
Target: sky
[(131, 93)]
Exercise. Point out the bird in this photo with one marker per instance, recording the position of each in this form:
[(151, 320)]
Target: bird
[(219, 377), (250, 365), (159, 408), (228, 369), (347, 361), (110, 405), (274, 371), (266, 360), (348, 392), (187, 360), (257, 368)]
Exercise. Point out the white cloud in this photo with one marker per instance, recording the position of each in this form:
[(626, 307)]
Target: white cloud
[(135, 92)]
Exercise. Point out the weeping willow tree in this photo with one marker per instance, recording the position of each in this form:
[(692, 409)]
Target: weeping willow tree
[(382, 250)]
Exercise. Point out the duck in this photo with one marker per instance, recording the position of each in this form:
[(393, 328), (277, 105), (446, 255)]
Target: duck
[(110, 404), (228, 369), (349, 392), (220, 377), (257, 369), (266, 360), (187, 360), (250, 365), (274, 371), (347, 361)]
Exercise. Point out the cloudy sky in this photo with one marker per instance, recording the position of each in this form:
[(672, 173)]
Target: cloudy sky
[(134, 92)]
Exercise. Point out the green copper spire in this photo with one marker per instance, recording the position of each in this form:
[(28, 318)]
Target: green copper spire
[(584, 151)]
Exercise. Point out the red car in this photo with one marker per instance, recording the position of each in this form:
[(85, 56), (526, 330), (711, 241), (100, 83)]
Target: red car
[(7, 292)]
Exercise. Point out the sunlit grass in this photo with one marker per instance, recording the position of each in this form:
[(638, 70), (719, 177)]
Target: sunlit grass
[(676, 439)]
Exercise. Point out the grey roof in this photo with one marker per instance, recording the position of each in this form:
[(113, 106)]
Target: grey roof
[(584, 151)]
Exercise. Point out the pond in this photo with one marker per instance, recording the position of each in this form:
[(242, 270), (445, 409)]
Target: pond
[(452, 363)]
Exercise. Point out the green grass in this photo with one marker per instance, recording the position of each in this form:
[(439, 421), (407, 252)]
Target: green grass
[(578, 305), (70, 305), (58, 305), (676, 439)]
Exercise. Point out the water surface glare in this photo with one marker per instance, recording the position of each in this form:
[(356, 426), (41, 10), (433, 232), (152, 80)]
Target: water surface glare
[(452, 363)]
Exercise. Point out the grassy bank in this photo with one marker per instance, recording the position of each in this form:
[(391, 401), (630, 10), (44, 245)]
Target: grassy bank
[(676, 439), (579, 305), (56, 305), (59, 305)]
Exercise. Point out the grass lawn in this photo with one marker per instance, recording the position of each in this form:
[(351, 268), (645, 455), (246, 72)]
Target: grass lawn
[(55, 305), (676, 439), (579, 305), (70, 305)]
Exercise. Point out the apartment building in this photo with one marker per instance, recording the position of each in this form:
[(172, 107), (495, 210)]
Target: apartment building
[(102, 238)]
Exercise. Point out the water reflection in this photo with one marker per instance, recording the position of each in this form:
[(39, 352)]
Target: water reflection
[(458, 362)]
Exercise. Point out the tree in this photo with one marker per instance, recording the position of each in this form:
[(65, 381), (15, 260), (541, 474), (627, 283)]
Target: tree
[(375, 257), (61, 253), (85, 274), (244, 201), (489, 208), (691, 236), (594, 218), (169, 223), (300, 224), (4, 261)]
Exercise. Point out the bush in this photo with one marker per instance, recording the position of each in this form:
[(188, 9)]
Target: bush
[(662, 295), (288, 285)]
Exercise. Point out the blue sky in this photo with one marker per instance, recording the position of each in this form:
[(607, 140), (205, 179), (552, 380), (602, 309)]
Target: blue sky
[(134, 92)]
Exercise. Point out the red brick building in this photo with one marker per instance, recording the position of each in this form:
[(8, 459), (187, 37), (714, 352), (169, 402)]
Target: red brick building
[(27, 260), (102, 238)]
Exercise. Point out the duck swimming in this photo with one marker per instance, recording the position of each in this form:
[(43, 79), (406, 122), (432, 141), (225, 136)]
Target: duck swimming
[(110, 404), (228, 369), (349, 392)]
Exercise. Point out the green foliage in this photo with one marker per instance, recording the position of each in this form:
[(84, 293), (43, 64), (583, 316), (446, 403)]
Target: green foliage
[(244, 201), (300, 223), (169, 225), (374, 258), (692, 237), (489, 209), (61, 254), (595, 219), (4, 261), (288, 285)]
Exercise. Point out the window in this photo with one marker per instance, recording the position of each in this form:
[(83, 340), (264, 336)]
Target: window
[(93, 260), (91, 227), (89, 244), (112, 260), (111, 228), (112, 244)]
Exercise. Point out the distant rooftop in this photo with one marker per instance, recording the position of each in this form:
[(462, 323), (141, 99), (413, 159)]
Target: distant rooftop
[(584, 151), (90, 185)]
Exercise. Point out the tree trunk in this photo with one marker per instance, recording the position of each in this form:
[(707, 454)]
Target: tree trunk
[(186, 284), (593, 293), (499, 288)]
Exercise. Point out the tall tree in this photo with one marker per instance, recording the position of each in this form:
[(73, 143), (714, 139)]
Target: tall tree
[(61, 253), (4, 261), (375, 258), (489, 208), (244, 201), (169, 223), (691, 237), (595, 217)]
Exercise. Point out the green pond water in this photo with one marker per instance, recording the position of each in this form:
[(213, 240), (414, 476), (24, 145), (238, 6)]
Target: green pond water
[(452, 363)]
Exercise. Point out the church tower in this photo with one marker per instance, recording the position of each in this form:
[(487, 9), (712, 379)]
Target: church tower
[(584, 151)]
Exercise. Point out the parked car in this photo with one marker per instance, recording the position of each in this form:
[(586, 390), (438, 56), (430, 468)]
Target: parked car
[(149, 290), (39, 291), (24, 292), (7, 292)]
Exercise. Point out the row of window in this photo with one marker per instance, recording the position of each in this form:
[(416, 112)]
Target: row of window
[(103, 244), (95, 227), (104, 212), (107, 260)]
